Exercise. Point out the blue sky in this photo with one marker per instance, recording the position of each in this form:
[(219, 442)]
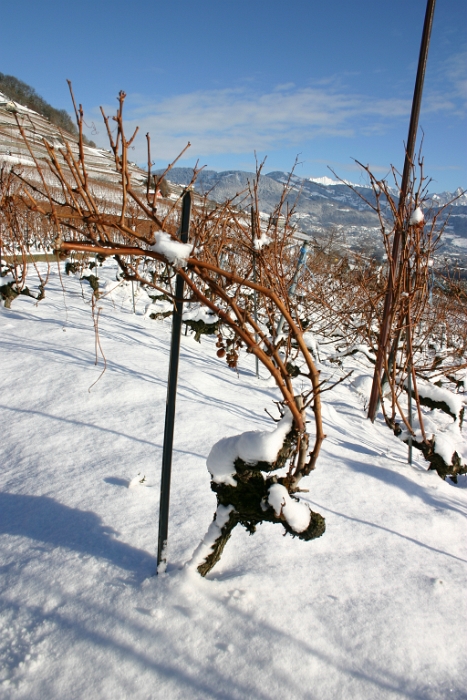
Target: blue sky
[(329, 82)]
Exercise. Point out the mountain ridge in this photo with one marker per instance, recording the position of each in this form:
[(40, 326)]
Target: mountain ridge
[(330, 207)]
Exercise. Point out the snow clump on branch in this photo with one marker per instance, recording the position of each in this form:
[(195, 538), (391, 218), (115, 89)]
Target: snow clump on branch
[(296, 513), (416, 217), (263, 241), (176, 252)]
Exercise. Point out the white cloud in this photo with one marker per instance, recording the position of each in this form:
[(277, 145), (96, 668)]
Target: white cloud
[(449, 82), (456, 72), (234, 121)]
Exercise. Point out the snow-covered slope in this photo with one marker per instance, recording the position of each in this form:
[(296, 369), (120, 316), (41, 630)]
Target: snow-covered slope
[(374, 609), (38, 129)]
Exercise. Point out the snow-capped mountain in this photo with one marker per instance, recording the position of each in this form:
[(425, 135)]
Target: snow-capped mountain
[(324, 206)]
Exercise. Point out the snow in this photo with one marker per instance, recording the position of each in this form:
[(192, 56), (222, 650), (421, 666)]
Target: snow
[(311, 343), (375, 609), (297, 514), (252, 447), (329, 182), (136, 481), (6, 102), (448, 442), (205, 547), (362, 385), (459, 242), (198, 312), (358, 348), (455, 402), (16, 160), (176, 252), (416, 217), (263, 241)]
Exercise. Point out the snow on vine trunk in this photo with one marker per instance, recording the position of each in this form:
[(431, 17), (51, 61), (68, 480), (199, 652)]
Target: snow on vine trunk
[(248, 497), (252, 447), (208, 542)]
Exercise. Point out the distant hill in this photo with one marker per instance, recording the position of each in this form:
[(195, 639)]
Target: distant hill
[(25, 95)]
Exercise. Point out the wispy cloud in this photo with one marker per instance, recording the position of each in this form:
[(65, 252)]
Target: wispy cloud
[(450, 82), (456, 72), (234, 121)]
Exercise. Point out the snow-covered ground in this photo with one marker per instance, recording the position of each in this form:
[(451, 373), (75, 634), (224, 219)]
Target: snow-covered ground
[(376, 608)]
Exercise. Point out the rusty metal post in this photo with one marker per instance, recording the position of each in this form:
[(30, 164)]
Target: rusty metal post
[(409, 154), (255, 293)]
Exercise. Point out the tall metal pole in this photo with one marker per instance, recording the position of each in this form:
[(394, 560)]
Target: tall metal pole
[(171, 397), (255, 294), (409, 154)]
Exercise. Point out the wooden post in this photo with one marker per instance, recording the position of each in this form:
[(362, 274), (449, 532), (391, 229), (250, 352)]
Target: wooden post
[(171, 398)]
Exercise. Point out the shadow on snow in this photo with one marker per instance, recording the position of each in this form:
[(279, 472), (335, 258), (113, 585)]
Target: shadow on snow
[(46, 520)]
